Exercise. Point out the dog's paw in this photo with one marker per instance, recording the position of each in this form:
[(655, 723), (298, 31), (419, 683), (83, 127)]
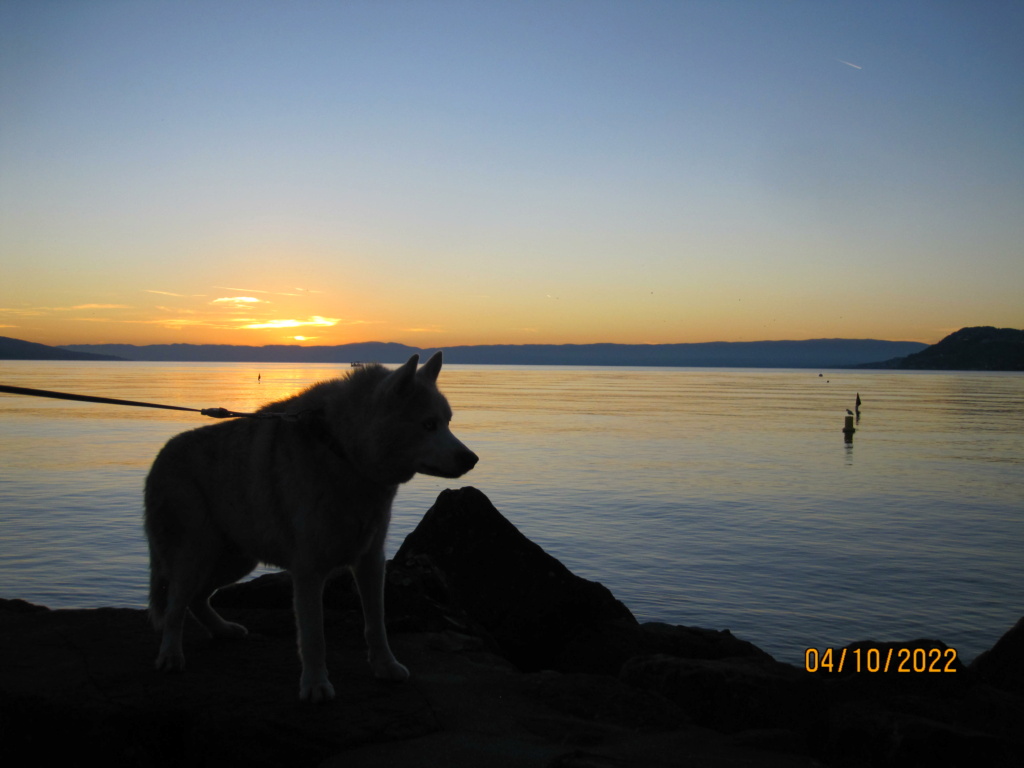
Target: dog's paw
[(316, 691), (170, 661), (390, 670)]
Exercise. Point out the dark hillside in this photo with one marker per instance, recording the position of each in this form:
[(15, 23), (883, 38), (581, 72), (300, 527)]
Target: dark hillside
[(16, 349), (982, 348)]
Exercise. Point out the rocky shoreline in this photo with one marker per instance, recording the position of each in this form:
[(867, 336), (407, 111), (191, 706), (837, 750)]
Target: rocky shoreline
[(516, 662)]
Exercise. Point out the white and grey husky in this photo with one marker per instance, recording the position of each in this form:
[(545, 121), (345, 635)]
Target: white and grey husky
[(311, 492)]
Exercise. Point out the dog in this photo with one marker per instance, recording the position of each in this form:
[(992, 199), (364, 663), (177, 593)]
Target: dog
[(306, 486)]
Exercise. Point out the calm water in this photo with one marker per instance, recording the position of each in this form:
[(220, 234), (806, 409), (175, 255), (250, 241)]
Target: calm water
[(708, 497)]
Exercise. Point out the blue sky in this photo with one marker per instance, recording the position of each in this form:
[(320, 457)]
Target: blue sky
[(509, 172)]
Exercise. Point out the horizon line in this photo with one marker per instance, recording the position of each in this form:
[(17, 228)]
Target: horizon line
[(299, 345)]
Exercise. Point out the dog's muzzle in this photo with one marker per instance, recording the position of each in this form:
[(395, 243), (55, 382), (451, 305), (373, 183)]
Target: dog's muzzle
[(461, 462)]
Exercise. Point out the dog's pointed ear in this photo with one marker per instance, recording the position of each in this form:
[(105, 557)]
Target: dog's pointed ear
[(431, 368), (400, 378)]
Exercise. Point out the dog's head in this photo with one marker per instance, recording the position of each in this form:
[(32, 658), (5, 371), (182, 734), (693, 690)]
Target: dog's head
[(408, 427)]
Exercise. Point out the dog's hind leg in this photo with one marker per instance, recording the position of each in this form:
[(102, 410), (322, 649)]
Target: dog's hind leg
[(171, 657), (191, 574), (369, 575), (309, 616)]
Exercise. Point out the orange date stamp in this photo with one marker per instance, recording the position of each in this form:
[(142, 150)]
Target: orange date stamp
[(891, 659)]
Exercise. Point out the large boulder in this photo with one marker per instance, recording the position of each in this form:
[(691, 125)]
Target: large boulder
[(1003, 665), (531, 604)]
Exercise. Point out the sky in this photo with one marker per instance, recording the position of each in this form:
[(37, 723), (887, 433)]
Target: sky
[(441, 173)]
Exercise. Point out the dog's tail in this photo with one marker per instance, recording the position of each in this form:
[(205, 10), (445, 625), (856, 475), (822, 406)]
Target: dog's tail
[(158, 581)]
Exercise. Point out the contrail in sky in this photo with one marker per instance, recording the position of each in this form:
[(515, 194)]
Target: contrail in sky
[(849, 64)]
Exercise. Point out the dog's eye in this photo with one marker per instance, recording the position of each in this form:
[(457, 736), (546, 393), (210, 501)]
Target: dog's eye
[(430, 425)]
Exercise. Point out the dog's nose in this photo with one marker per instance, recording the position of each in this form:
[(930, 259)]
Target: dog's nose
[(468, 459)]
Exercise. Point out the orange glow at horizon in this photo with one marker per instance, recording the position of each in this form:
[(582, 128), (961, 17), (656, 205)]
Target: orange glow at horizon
[(201, 317)]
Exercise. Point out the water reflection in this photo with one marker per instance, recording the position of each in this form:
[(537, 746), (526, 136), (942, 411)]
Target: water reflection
[(712, 497)]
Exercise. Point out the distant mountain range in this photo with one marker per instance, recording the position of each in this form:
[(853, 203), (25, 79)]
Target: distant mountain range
[(982, 348), (814, 353), (16, 349)]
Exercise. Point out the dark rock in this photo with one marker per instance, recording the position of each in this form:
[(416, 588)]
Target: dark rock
[(733, 695), (606, 648), (530, 603), (697, 643), (1003, 665), (925, 708), (608, 700), (78, 687), (870, 734), (538, 613), (18, 605)]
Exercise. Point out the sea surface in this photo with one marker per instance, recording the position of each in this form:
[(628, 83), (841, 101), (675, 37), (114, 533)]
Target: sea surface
[(720, 498)]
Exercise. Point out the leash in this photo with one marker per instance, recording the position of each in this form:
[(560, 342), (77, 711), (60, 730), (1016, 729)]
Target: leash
[(216, 413)]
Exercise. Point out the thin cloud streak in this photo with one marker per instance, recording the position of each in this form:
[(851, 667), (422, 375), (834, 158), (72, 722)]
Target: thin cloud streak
[(177, 295), (238, 302), (316, 320), (270, 293)]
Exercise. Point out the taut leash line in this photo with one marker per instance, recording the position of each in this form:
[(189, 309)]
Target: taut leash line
[(216, 413)]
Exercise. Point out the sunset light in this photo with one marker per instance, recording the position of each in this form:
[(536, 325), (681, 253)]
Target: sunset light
[(665, 354), (446, 173)]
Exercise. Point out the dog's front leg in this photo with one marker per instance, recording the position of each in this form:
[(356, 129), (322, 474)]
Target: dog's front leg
[(369, 574), (308, 590)]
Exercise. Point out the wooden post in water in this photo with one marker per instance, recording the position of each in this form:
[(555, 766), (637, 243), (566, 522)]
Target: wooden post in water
[(848, 429)]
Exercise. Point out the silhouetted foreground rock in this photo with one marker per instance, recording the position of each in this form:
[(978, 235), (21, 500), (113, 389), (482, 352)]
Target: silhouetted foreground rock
[(516, 662)]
